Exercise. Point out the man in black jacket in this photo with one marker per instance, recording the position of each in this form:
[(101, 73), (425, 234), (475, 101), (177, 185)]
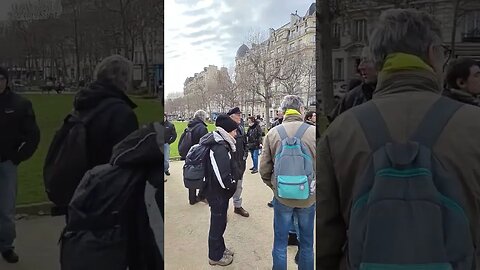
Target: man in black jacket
[(361, 93), (463, 80), (170, 137), (240, 156), (113, 78), (19, 138), (198, 129)]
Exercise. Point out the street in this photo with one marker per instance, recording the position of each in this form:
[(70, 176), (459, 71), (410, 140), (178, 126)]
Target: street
[(36, 244), (186, 227)]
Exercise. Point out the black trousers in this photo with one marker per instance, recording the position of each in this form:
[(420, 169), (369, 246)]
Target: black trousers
[(218, 224), (192, 195)]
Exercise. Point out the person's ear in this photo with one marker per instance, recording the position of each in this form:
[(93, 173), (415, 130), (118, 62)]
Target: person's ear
[(461, 83)]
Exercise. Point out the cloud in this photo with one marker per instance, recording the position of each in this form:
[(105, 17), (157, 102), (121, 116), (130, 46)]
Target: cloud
[(209, 32)]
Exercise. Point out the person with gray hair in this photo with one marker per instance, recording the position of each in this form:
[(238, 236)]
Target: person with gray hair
[(406, 126), (109, 109), (274, 166), (196, 129), (361, 93)]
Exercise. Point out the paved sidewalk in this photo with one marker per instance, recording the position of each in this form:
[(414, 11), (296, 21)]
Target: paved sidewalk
[(36, 244), (186, 227)]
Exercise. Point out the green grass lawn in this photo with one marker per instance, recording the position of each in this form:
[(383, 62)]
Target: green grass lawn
[(50, 111), (180, 127)]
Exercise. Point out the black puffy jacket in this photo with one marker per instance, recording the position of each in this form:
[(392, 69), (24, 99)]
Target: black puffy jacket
[(254, 136), (170, 132), (19, 132), (355, 97), (111, 126)]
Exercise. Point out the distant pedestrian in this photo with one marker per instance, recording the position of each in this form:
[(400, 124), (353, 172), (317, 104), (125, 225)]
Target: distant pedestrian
[(19, 138), (170, 137), (254, 141)]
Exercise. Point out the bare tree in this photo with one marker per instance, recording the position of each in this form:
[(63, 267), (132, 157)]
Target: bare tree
[(293, 74)]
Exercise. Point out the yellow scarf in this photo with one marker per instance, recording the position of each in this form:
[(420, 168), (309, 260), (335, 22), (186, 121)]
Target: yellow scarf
[(291, 112), (402, 61)]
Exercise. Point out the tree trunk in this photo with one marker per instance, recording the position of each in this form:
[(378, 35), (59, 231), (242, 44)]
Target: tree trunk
[(454, 27), (268, 100), (77, 50), (123, 14), (325, 73), (145, 61)]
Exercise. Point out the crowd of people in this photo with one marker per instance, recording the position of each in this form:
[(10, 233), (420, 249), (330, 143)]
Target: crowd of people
[(397, 167), (229, 146), (99, 141)]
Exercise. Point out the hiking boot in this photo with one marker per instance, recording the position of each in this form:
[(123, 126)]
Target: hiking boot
[(167, 173), (270, 204), (242, 212), (254, 171), (224, 261), (228, 252), (10, 256), (251, 169), (292, 239)]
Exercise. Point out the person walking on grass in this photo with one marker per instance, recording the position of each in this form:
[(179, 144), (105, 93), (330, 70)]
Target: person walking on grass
[(19, 138), (240, 156)]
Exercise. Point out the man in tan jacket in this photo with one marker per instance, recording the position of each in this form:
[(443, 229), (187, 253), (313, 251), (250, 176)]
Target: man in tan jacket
[(406, 46), (285, 209)]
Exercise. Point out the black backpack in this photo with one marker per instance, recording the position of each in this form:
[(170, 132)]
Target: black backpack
[(194, 168), (185, 142), (67, 158)]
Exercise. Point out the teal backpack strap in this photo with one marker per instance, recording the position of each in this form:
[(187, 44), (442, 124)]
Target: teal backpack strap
[(282, 132), (435, 121), (301, 130)]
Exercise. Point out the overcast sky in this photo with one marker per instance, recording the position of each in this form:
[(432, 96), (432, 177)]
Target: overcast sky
[(209, 32)]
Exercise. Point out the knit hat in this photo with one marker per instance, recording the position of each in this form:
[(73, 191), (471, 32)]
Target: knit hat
[(4, 72), (224, 121)]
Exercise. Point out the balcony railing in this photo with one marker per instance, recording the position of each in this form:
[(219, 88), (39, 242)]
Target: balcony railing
[(472, 36)]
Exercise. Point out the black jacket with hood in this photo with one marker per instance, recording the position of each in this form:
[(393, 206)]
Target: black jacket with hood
[(355, 97), (110, 126), (170, 132), (254, 136), (222, 172), (19, 132), (199, 129)]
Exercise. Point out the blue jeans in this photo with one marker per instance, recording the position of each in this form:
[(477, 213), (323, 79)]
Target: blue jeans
[(254, 154), (282, 222), (166, 157), (8, 194)]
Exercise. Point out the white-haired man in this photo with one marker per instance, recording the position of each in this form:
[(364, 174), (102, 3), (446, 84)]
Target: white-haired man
[(400, 172)]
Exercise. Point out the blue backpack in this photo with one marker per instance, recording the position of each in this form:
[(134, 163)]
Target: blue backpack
[(293, 167), (407, 211)]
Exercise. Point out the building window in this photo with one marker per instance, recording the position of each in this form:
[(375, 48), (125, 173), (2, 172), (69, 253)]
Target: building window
[(338, 70), (472, 21), (336, 30), (360, 30)]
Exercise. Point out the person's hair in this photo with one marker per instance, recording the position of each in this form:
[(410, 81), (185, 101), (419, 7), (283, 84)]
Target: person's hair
[(403, 31), (201, 114), (115, 69), (291, 102), (459, 69), (308, 115), (252, 118)]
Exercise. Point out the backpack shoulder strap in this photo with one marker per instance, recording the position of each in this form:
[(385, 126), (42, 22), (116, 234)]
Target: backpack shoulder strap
[(100, 107), (435, 120), (373, 125), (301, 130), (282, 132)]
